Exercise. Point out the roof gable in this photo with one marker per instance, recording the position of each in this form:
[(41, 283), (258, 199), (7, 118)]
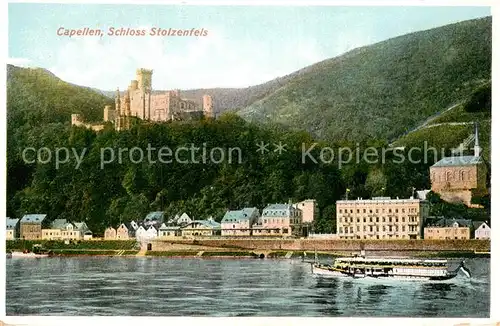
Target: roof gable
[(11, 223), (33, 218), (154, 217)]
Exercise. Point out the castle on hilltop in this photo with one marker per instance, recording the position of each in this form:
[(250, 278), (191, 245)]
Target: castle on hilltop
[(138, 101)]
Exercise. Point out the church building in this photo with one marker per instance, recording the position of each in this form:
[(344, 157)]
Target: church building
[(458, 179)]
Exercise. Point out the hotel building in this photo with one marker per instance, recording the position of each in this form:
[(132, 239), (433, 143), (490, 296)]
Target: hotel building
[(381, 218)]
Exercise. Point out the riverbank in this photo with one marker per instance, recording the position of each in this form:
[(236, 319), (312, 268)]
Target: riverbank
[(236, 248), (309, 256)]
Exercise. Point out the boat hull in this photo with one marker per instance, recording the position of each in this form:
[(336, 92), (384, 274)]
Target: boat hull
[(18, 254), (328, 271)]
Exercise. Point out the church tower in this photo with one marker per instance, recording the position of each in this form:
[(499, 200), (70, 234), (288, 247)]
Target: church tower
[(477, 149)]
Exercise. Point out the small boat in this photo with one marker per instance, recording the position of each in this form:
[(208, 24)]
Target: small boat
[(37, 252), (23, 254), (390, 268)]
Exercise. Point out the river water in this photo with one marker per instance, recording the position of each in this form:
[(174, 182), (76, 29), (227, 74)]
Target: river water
[(143, 286)]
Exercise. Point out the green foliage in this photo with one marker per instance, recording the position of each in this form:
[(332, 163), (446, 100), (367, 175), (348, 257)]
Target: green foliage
[(480, 100), (439, 207), (386, 89)]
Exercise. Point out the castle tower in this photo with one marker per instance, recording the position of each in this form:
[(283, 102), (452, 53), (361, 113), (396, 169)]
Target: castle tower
[(477, 149), (144, 79), (208, 108), (117, 102)]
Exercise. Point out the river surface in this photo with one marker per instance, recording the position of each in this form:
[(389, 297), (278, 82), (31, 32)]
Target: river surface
[(143, 286)]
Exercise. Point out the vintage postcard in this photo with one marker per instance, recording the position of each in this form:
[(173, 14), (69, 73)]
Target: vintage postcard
[(250, 160)]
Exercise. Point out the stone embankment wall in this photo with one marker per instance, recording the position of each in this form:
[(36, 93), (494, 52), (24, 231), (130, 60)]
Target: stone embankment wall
[(332, 245)]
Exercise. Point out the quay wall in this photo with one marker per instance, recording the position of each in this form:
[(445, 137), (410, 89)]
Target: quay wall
[(331, 245)]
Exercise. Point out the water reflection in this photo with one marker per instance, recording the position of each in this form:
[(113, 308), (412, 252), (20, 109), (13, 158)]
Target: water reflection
[(197, 287), (376, 293)]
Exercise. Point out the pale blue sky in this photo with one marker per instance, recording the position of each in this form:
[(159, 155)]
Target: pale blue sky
[(246, 45)]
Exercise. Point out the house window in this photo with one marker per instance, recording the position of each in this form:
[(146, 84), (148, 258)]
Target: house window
[(357, 211), (364, 210)]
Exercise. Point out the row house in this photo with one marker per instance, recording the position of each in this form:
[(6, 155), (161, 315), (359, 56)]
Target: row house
[(239, 223), (279, 220), (61, 229), (169, 231), (142, 232), (31, 226), (206, 227), (12, 228), (180, 220), (309, 209), (457, 229), (381, 218)]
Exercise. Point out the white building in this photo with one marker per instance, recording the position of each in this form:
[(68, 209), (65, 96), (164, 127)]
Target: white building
[(151, 233), (482, 231), (141, 233)]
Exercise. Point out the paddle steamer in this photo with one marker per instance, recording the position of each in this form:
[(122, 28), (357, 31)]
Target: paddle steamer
[(395, 268)]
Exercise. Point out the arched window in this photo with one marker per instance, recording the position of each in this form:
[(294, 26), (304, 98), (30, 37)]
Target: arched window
[(449, 175)]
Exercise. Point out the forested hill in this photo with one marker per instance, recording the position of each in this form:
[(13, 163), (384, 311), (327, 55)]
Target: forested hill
[(386, 89), (36, 96)]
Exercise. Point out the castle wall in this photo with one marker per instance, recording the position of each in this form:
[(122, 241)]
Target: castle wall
[(109, 113)]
